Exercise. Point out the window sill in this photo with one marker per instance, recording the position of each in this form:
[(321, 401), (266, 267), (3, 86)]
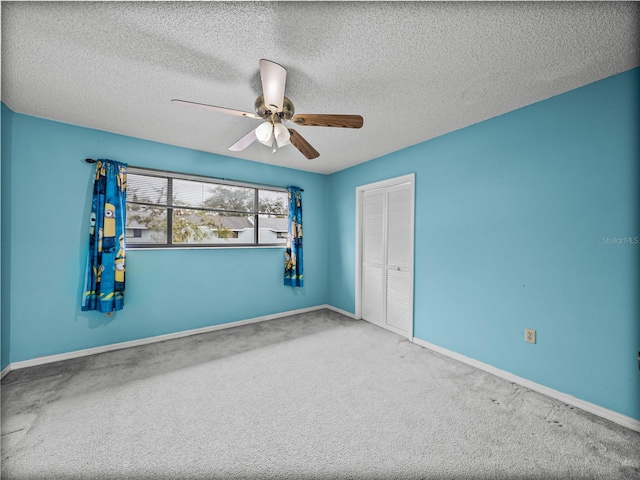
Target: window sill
[(225, 247)]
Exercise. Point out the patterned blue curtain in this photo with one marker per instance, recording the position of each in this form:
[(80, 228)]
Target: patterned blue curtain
[(104, 278), (293, 268)]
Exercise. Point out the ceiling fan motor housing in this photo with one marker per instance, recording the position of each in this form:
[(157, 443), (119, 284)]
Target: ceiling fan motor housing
[(263, 111)]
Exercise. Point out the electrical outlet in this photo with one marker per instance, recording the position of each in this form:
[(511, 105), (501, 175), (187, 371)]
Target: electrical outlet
[(529, 335)]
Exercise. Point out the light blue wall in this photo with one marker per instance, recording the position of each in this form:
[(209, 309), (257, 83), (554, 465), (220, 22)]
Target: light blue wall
[(6, 117), (510, 219), (167, 291)]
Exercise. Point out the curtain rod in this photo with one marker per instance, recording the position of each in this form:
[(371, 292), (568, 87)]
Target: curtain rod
[(91, 160)]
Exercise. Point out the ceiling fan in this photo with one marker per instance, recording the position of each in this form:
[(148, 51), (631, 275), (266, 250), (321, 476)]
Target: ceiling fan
[(276, 109)]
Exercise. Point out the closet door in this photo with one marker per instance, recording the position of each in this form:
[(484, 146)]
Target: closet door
[(386, 234), (399, 259), (373, 257)]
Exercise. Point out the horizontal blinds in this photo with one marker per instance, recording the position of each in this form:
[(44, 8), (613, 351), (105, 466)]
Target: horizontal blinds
[(145, 189), (200, 178), (205, 195)]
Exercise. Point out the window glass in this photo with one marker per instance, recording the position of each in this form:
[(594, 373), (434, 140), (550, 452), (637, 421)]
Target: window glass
[(187, 193), (143, 188), (273, 202), (272, 229), (205, 227), (146, 224)]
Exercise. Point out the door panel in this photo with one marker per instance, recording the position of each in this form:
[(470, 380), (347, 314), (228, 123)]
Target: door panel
[(373, 228), (373, 294), (399, 263), (399, 301), (399, 228), (373, 257)]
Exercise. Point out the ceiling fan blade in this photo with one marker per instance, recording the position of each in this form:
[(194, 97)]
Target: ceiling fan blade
[(274, 78), (244, 142), (212, 108), (321, 120), (301, 144)]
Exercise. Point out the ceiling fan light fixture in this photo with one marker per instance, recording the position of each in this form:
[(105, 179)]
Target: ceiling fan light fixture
[(264, 133), (282, 135)]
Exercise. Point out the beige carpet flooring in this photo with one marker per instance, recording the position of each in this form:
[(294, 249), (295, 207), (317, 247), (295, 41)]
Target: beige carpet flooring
[(315, 395)]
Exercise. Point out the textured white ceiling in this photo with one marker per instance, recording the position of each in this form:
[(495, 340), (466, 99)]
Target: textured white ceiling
[(414, 71)]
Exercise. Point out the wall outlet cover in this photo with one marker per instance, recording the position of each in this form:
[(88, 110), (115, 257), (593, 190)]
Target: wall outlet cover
[(529, 335)]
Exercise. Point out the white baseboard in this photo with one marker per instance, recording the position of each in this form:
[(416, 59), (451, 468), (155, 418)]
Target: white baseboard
[(615, 417), (340, 311), (4, 371), (145, 341)]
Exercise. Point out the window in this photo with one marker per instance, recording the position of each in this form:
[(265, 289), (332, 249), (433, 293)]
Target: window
[(166, 209)]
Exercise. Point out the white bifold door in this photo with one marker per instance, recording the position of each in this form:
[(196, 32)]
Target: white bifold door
[(386, 254)]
